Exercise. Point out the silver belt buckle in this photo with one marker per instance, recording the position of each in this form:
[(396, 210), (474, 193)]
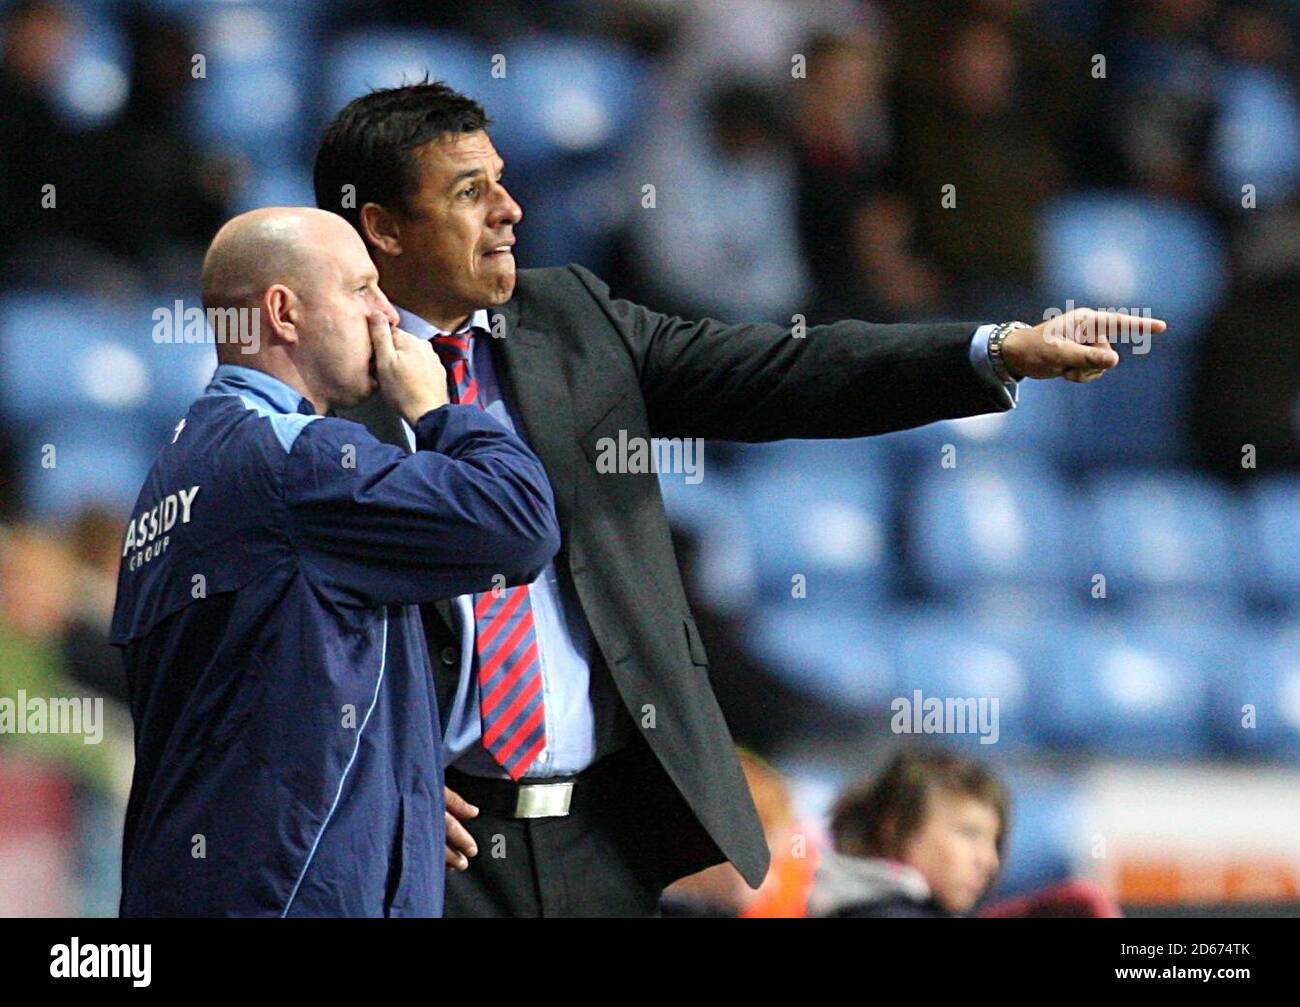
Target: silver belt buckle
[(543, 800)]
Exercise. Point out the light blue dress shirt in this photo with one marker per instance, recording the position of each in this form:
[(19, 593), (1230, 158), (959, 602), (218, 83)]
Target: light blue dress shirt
[(574, 702)]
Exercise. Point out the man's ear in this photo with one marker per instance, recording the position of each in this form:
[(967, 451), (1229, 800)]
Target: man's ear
[(282, 312), (382, 229)]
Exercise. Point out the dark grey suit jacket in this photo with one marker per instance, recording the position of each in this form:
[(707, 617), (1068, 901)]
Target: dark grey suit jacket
[(579, 366)]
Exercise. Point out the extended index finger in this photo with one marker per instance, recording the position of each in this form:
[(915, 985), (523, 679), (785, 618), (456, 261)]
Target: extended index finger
[(1113, 324)]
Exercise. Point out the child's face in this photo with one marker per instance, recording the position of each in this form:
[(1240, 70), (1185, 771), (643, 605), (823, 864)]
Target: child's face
[(955, 849)]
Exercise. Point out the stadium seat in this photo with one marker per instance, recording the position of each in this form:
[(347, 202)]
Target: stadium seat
[(826, 652), (1256, 135), (1143, 254), (827, 522), (947, 657), (92, 462), (83, 358), (1121, 689), (96, 83), (1274, 534), (371, 58), (258, 58), (1149, 533), (1132, 251), (1256, 709), (992, 521), (566, 97)]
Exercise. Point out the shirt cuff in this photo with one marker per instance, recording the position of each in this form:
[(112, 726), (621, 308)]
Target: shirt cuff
[(1007, 393)]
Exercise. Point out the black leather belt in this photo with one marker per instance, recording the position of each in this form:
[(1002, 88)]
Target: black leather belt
[(549, 797)]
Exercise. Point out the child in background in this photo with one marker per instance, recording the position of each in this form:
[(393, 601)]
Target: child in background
[(925, 838)]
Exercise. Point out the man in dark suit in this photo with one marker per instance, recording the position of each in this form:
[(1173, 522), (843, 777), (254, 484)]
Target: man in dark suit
[(578, 714)]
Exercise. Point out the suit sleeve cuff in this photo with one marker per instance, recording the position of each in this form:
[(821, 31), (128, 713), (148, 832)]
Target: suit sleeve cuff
[(1008, 393)]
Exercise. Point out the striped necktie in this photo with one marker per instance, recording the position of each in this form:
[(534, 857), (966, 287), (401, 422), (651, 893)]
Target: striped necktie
[(505, 640)]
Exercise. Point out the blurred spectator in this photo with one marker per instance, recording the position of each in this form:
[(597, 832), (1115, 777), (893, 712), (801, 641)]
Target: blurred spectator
[(37, 585), (1164, 60), (890, 280), (91, 659), (35, 146), (924, 838), (721, 891), (160, 197), (722, 239), (1247, 390), (843, 138), (979, 163)]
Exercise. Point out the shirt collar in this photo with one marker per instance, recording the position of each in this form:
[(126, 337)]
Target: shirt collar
[(232, 379), (421, 329)]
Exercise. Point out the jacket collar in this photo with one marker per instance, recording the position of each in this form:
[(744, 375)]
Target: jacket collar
[(233, 379)]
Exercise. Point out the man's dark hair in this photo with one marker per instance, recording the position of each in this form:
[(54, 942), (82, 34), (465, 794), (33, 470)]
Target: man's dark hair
[(371, 145), (876, 817)]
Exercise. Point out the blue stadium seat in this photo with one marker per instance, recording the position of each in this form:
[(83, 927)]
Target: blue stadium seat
[(1149, 533), (567, 96), (258, 60), (829, 523), (994, 520), (950, 658), (1139, 253), (82, 358), (68, 356), (1133, 251), (1256, 135), (1256, 709), (362, 61), (826, 651), (1122, 689), (96, 82), (1274, 531), (91, 462)]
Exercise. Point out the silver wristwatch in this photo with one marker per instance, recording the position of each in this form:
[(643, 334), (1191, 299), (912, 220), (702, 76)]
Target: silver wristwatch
[(995, 350)]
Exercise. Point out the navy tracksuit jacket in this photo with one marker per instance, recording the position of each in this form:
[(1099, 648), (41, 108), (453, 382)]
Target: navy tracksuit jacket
[(288, 749)]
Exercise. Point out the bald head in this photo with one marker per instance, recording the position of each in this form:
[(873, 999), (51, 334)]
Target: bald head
[(263, 247), (303, 278)]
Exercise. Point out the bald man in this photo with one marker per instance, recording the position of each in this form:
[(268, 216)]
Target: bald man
[(287, 753)]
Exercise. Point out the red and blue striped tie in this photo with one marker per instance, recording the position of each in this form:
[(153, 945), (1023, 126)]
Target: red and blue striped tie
[(505, 640)]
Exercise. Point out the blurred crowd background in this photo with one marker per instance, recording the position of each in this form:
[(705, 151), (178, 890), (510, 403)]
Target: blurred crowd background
[(1117, 564)]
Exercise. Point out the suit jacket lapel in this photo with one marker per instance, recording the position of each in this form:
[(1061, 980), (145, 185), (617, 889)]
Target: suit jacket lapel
[(536, 372)]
